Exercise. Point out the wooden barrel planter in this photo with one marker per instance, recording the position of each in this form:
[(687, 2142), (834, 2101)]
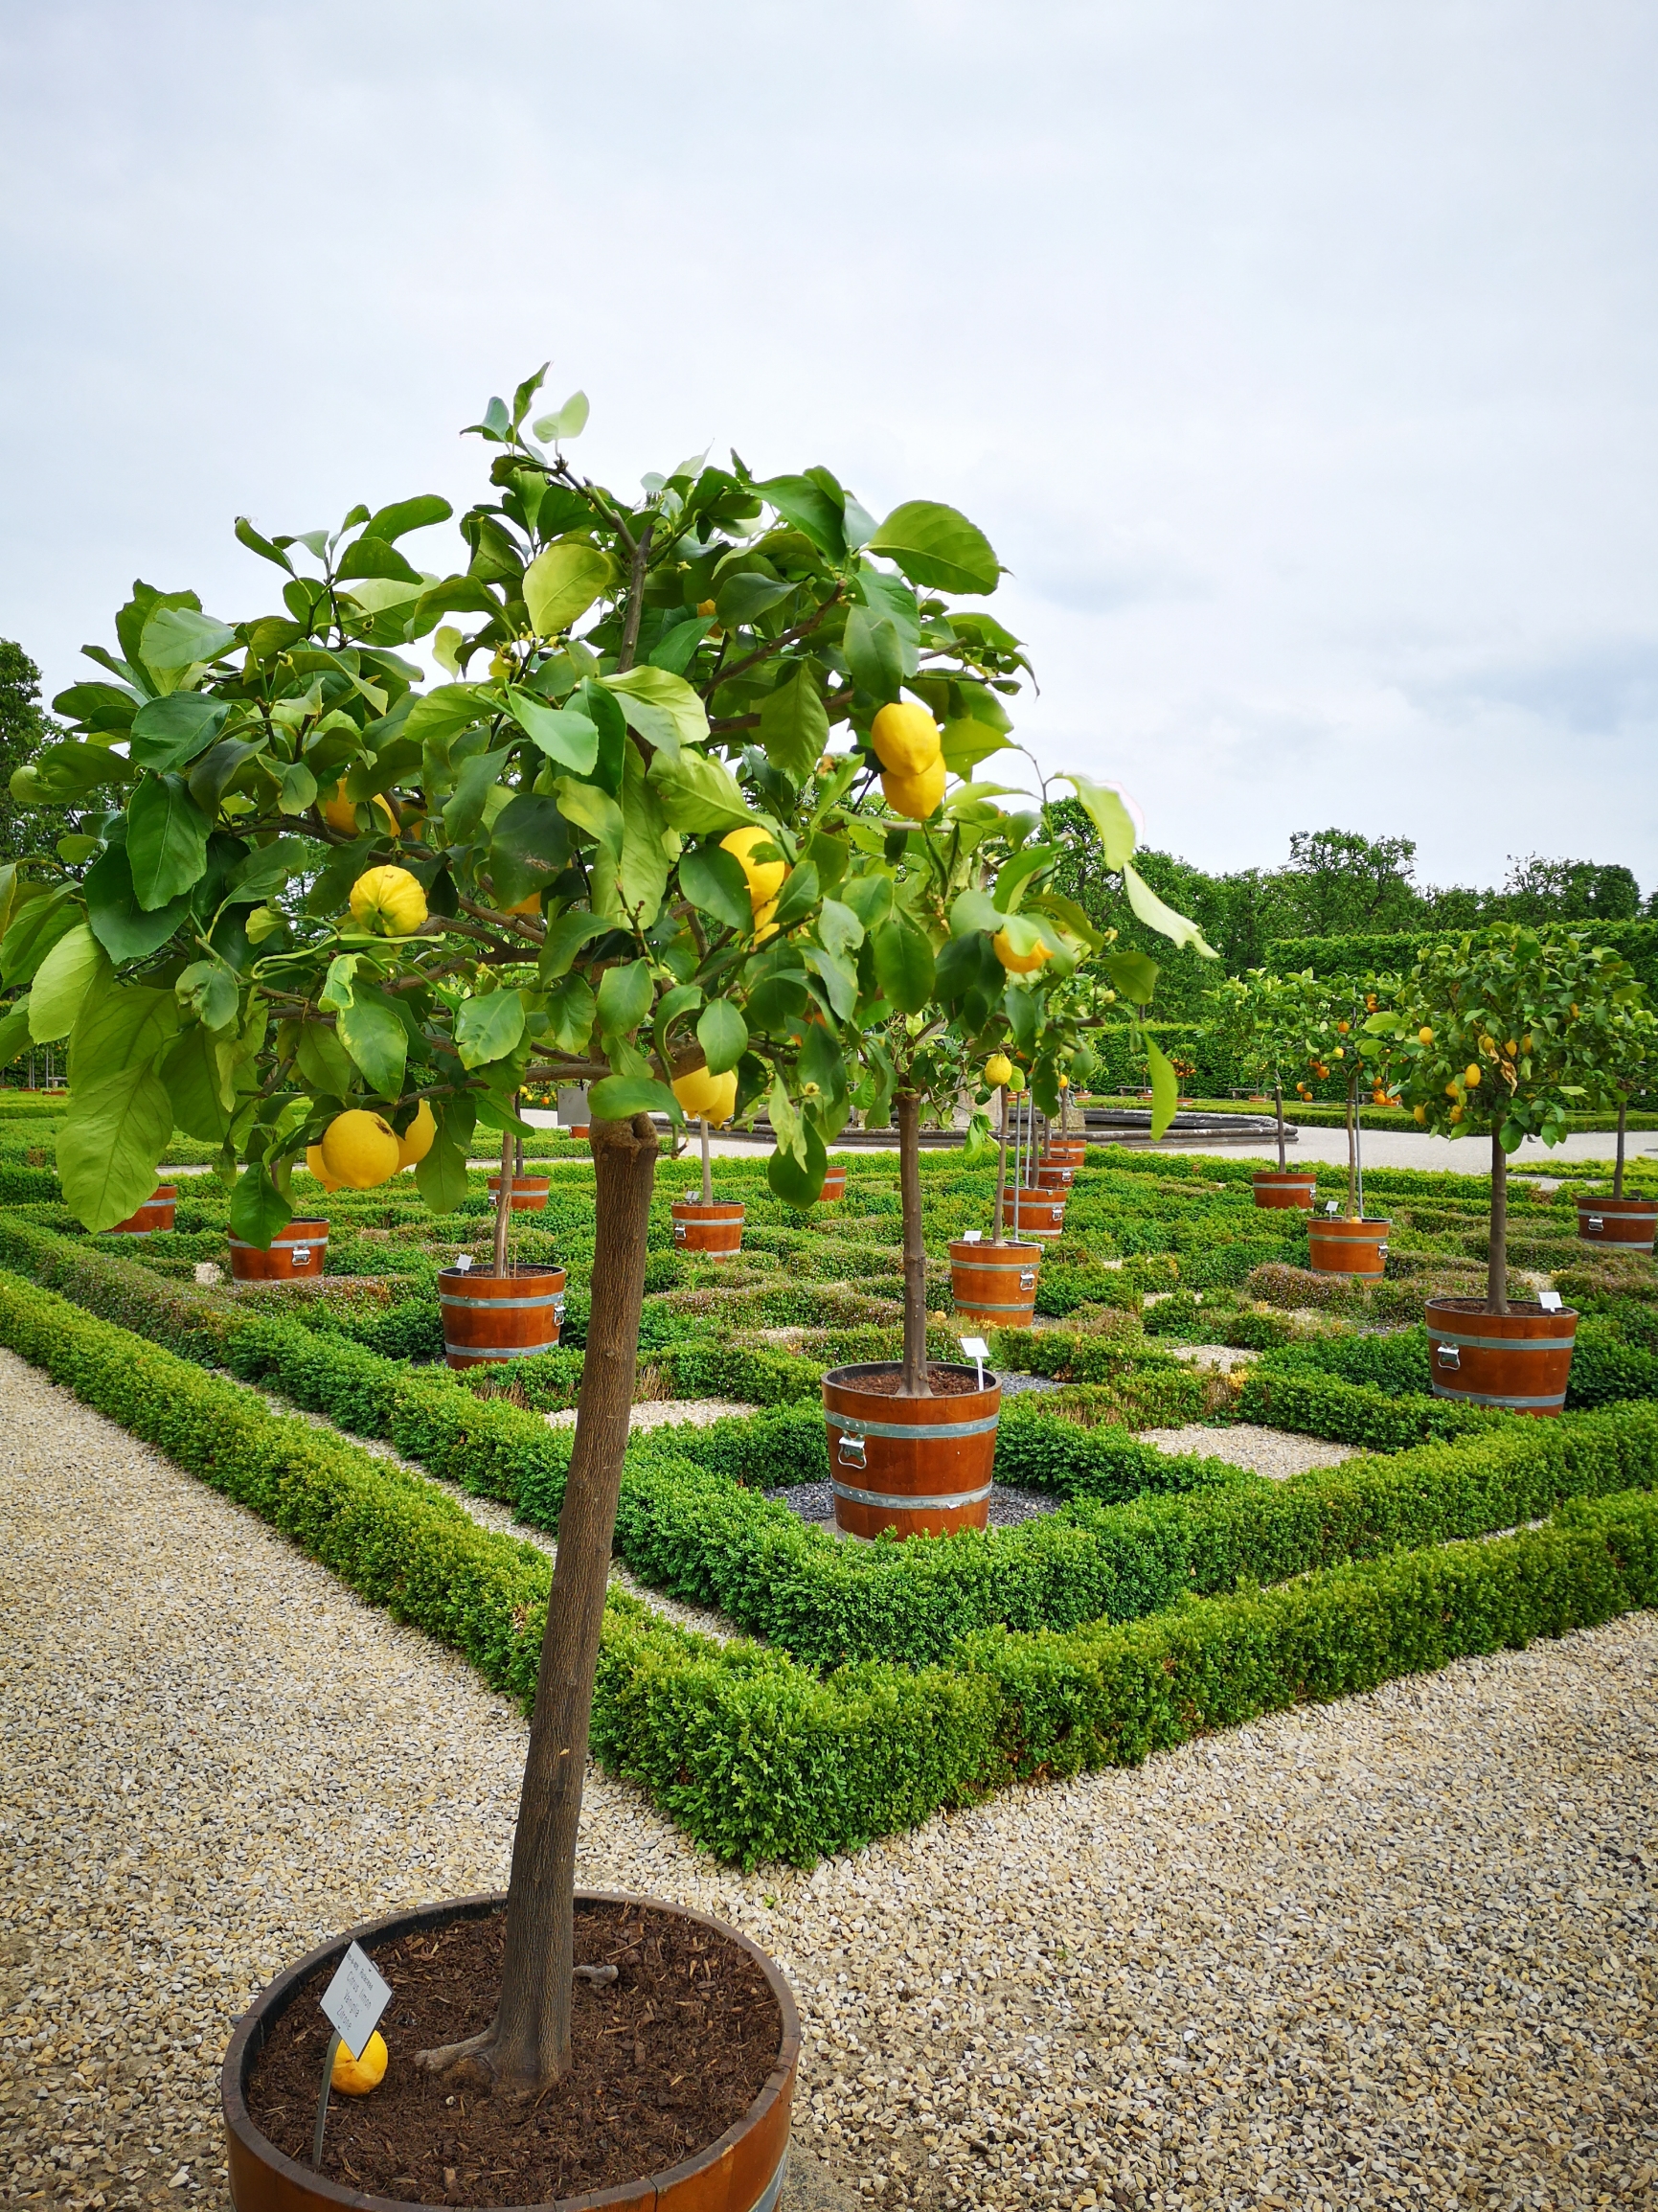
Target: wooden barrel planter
[(916, 1466), (155, 1213), (709, 1232), (1055, 1174), (489, 1318), (995, 1284), (1279, 1186), (525, 1195), (742, 2170), (1337, 1247), (1041, 1214), (1065, 1151), (835, 1184), (1623, 1225), (298, 1252), (1519, 1360)]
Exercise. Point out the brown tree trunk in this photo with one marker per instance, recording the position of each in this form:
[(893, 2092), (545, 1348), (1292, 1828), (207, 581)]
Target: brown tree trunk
[(1497, 1263), (529, 2043), (914, 1377), (707, 1167), (1351, 1155), (1000, 1235), (1278, 1102), (504, 1203), (1618, 1164)]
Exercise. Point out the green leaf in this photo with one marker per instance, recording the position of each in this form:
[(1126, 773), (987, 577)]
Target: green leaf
[(743, 596), (1070, 916), (529, 847), (440, 1177), (616, 1098), (406, 515), (698, 794), (812, 509), (120, 1029), (676, 649), (1165, 1089), (799, 1182), (167, 732), (875, 654), (625, 998), (166, 840), (938, 547), (1150, 910), (794, 726), (969, 742), (839, 927), (208, 989), (564, 733), (257, 1209), (177, 637), (648, 846), (444, 713), (661, 707), (563, 583), (572, 1011), (14, 1037), (298, 788), (904, 965), (488, 1028), (118, 922), (714, 881), (1110, 817), (339, 983), (113, 1134), (565, 936), (35, 926), (373, 1032), (797, 896), (591, 809), (73, 966), (464, 813), (569, 422), (1133, 975), (974, 910), (722, 1033), (324, 1063)]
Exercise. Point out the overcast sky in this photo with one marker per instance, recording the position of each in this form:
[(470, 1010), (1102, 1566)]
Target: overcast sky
[(1298, 357)]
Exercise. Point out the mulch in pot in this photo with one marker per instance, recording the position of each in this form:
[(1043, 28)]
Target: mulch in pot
[(943, 1381), (665, 2060)]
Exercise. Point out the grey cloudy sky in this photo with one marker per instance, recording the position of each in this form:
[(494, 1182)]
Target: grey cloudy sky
[(1298, 357)]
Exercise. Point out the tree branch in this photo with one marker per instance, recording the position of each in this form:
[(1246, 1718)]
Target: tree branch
[(772, 646), (635, 600)]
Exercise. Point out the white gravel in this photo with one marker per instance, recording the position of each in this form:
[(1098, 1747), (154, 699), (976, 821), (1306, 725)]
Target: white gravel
[(662, 1412), (1394, 1951), (1272, 1451)]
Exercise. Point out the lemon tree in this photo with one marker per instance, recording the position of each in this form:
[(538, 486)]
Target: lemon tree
[(1305, 1029), (1503, 1034)]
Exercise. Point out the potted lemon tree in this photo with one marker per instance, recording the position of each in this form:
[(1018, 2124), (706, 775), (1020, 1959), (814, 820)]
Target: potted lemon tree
[(1499, 1036), (344, 916)]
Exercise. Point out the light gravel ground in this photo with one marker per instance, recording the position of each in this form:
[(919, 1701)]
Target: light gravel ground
[(1272, 1451), (664, 1412), (1394, 1951)]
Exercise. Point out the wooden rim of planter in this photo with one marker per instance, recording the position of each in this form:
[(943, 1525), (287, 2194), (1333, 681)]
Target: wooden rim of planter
[(1281, 1175), (716, 2179), (551, 1279), (312, 1232), (696, 1209), (1526, 1317)]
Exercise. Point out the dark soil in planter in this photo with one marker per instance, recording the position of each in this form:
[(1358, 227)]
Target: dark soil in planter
[(665, 2058), (943, 1381)]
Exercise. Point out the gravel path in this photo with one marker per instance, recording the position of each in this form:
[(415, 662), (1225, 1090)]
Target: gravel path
[(1272, 1451), (1398, 1951), (662, 1412)]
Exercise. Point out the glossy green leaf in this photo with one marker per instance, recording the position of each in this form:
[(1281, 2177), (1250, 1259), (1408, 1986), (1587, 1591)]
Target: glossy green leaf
[(797, 1181), (405, 514), (566, 935), (177, 637), (937, 547), (440, 1177), (208, 989), (797, 896), (1133, 975), (563, 583), (1165, 1088), (374, 1035), (744, 597), (528, 846), (119, 924), (714, 881), (676, 649), (722, 1033), (974, 910), (257, 1209), (325, 1066), (567, 422), (616, 1098), (564, 733), (661, 707), (298, 788), (444, 713), (1150, 910), (73, 966), (794, 727), (969, 742), (14, 1037), (166, 840), (648, 846), (35, 926), (904, 965), (113, 1134), (489, 1028), (812, 509), (698, 794), (875, 654), (167, 732), (1111, 819), (625, 997)]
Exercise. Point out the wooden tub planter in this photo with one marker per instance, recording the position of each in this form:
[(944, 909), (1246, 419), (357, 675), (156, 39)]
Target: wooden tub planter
[(995, 1284), (1519, 1360), (1338, 1247), (1065, 1151), (491, 1318), (711, 1232), (1620, 1224), (835, 1184), (1280, 1187), (526, 1195), (1054, 1175), (1040, 1213), (743, 2170), (297, 1253), (916, 1466), (156, 1214)]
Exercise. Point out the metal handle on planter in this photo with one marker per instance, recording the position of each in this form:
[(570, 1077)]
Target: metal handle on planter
[(1449, 1355), (679, 1232), (852, 1451), (302, 1255), (1028, 1279), (1597, 1221)]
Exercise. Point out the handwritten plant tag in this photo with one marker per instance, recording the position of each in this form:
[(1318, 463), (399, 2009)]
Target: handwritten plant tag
[(356, 1998)]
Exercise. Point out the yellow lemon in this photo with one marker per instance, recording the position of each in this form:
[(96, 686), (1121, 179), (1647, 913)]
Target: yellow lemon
[(1453, 1090), (998, 1070), (710, 1098), (906, 739), (388, 898), (1471, 1075), (341, 814), (1420, 1113), (1425, 1036), (916, 795), (1019, 963), (415, 1141), (1064, 1083), (1511, 1048), (356, 2077), (360, 1149), (314, 1161), (1455, 1113), (764, 876)]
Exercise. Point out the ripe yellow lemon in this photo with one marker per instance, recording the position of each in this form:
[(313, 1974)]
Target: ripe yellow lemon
[(764, 876), (711, 1098), (1064, 1083), (906, 739), (356, 2077), (341, 814), (388, 898), (998, 1069), (360, 1149), (1420, 1113), (314, 1161), (1425, 1036), (918, 796), (1471, 1075), (1455, 1113), (415, 1141), (1019, 963), (1453, 1090)]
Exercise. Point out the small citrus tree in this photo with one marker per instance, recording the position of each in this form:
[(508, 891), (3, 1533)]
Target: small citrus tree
[(1504, 1033), (1302, 1025)]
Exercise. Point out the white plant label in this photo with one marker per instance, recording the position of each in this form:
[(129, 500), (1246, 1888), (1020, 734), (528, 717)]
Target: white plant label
[(462, 1261), (356, 1998), (972, 1236), (978, 1352), (1549, 1300)]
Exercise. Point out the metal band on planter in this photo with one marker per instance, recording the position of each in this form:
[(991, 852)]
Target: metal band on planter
[(1520, 1359), (507, 1316), (904, 1503), (853, 1424)]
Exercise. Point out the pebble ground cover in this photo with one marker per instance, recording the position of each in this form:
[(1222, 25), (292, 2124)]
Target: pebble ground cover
[(1123, 2023)]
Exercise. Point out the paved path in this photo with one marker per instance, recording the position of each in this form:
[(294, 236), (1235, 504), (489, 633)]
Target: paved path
[(1398, 1951)]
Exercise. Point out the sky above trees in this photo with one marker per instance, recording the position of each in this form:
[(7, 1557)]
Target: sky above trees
[(1299, 360)]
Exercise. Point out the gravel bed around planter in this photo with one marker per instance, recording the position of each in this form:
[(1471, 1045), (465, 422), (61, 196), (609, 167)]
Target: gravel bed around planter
[(1393, 1951), (1272, 1451), (1013, 1385), (662, 1412), (815, 1501), (1221, 1358)]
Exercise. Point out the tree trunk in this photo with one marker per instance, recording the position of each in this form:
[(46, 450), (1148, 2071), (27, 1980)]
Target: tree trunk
[(914, 1377), (1351, 1155), (1278, 1102), (1618, 1164), (1001, 1235), (504, 1203), (707, 1167), (529, 2043), (1497, 1265)]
